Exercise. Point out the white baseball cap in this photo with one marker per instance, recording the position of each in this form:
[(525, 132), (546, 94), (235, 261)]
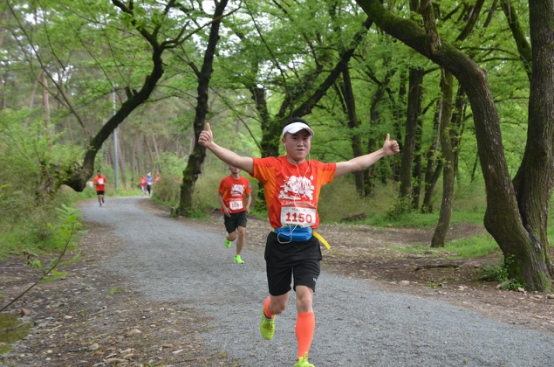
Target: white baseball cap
[(295, 127)]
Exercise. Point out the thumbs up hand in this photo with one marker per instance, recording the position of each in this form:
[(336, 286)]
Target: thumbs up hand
[(206, 137), (390, 147)]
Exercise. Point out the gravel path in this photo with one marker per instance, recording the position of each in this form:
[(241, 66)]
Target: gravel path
[(356, 324)]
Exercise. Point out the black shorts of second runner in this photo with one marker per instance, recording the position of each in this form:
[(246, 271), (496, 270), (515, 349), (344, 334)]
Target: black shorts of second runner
[(296, 261), (234, 221), (149, 188), (101, 192)]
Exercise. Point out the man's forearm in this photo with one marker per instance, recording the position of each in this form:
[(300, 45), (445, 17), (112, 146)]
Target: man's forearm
[(232, 158)]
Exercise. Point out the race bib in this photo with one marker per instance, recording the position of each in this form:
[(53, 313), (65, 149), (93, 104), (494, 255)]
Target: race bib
[(100, 182), (235, 204), (298, 216)]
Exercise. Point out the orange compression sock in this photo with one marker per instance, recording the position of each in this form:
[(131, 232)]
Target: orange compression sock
[(267, 312), (305, 326)]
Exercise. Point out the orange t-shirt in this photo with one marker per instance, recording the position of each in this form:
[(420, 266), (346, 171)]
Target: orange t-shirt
[(233, 192), (142, 181), (100, 183), (292, 191)]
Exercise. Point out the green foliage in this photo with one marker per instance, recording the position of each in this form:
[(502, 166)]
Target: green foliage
[(340, 199), (501, 273), (25, 148), (434, 285), (498, 273), (168, 190), (64, 234), (68, 227)]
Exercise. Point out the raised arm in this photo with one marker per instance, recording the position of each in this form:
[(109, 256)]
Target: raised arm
[(206, 139), (362, 162)]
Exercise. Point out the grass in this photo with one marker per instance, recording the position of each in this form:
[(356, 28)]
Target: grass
[(465, 248)]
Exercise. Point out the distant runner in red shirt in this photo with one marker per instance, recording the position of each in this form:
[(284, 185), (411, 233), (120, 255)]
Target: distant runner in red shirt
[(292, 186), (233, 190), (100, 183), (142, 184)]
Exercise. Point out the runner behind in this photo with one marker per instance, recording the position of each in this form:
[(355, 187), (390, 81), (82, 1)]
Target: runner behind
[(233, 191)]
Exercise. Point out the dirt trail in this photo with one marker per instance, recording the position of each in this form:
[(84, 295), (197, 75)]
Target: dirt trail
[(116, 308)]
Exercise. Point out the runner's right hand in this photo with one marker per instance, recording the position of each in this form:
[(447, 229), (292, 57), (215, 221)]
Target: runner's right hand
[(206, 137)]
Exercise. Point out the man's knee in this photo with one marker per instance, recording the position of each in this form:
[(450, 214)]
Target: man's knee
[(242, 231), (232, 236)]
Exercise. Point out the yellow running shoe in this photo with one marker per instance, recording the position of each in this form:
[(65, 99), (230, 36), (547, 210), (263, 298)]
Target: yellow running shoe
[(303, 362), (267, 327)]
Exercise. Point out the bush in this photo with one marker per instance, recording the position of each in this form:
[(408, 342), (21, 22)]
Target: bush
[(24, 218), (500, 273)]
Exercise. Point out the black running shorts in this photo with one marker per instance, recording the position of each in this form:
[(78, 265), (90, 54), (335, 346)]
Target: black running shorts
[(297, 261), (101, 192), (234, 221)]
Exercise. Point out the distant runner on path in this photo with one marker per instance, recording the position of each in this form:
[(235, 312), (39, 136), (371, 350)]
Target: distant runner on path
[(142, 185), (100, 184)]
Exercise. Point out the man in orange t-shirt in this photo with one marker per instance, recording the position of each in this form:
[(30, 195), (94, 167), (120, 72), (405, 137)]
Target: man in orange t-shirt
[(100, 183), (233, 191), (292, 186)]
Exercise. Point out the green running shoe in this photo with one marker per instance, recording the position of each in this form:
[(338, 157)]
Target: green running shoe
[(238, 260), (267, 327), (303, 362), (228, 243)]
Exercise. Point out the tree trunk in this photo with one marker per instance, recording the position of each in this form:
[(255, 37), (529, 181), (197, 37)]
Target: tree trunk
[(409, 146), (441, 230), (525, 244), (45, 102), (3, 31), (150, 166), (121, 157), (418, 165), (374, 118), (258, 96), (196, 158), (533, 181), (398, 113), (157, 160), (432, 163), (353, 123), (134, 164), (458, 124)]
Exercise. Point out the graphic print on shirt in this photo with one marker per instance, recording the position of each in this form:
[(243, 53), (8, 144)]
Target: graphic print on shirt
[(237, 190), (297, 196), (236, 194)]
